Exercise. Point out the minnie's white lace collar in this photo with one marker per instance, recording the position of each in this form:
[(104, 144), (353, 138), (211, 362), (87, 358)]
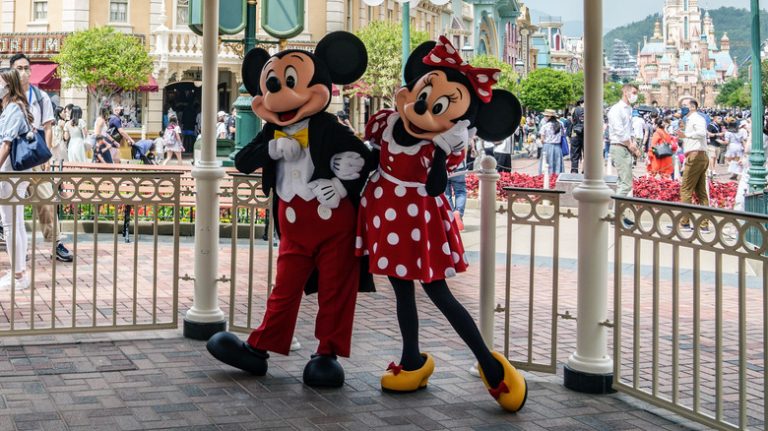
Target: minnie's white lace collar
[(394, 147)]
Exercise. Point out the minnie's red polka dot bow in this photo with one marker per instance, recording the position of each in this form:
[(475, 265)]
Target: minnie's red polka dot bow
[(482, 79)]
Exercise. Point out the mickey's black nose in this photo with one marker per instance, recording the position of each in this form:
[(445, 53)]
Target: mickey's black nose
[(273, 84), (420, 107)]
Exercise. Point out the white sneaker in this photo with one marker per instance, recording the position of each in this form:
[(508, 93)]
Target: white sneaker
[(21, 283)]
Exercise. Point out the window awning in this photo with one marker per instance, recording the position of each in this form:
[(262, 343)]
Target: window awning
[(44, 76), (151, 85)]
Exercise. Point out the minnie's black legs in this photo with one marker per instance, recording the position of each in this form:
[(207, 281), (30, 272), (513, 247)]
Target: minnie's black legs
[(465, 326), (408, 319)]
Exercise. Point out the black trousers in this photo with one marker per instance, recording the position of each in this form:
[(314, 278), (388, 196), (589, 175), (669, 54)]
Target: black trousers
[(577, 152)]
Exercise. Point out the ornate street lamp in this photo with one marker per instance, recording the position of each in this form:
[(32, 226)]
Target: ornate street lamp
[(519, 68)]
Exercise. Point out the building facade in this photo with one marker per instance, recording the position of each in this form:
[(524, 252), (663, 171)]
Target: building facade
[(682, 57)]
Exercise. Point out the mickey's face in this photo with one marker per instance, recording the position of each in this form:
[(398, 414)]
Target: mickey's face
[(433, 106), (286, 94)]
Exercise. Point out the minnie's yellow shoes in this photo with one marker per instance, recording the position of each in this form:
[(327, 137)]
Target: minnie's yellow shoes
[(513, 390), (398, 380)]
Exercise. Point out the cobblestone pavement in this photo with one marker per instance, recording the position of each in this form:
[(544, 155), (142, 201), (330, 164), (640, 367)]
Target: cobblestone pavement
[(157, 380)]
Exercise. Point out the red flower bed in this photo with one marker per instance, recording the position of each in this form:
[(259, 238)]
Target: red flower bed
[(514, 179), (721, 195)]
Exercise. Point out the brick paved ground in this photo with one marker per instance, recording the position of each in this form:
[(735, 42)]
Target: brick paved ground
[(160, 380)]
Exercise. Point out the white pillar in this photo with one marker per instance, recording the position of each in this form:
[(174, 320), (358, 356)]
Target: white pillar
[(205, 318), (590, 369), (488, 178)]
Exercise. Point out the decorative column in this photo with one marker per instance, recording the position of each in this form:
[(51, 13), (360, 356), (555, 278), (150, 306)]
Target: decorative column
[(488, 177), (757, 170), (590, 369), (205, 318)]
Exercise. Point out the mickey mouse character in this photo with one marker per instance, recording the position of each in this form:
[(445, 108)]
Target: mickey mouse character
[(405, 224), (316, 166)]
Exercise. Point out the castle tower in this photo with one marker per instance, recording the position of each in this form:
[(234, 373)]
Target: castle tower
[(725, 43), (708, 27), (657, 34)]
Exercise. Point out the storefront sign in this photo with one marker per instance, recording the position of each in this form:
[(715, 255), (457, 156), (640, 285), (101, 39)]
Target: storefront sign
[(34, 45)]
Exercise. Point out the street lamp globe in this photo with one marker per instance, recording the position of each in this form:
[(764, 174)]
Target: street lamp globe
[(519, 67)]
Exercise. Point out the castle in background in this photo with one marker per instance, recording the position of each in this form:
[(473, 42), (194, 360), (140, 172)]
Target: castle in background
[(682, 57)]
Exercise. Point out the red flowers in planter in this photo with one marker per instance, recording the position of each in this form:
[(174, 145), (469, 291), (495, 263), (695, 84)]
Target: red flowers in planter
[(513, 179), (721, 195)]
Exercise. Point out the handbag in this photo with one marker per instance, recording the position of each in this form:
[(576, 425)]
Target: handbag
[(662, 151), (564, 146), (29, 149)]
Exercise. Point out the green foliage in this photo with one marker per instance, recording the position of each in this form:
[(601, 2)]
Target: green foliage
[(738, 92), (383, 40), (577, 83), (612, 92), (547, 89), (726, 19), (509, 80), (103, 60)]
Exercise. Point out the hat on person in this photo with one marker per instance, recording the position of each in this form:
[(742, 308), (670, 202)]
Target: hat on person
[(550, 113), (221, 114)]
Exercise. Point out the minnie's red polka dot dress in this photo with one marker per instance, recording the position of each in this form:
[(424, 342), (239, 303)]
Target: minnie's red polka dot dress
[(407, 233)]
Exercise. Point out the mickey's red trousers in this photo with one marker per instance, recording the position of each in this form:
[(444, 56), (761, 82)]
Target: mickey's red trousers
[(312, 236)]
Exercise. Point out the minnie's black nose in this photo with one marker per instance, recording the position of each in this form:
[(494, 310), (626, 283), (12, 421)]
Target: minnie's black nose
[(420, 107), (273, 84)]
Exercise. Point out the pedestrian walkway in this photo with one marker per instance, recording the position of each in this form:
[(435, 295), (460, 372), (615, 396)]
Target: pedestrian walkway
[(156, 380)]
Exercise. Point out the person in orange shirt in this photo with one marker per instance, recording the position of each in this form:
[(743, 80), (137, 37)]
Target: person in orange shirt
[(663, 166)]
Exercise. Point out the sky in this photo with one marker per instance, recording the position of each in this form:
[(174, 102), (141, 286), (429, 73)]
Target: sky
[(618, 12)]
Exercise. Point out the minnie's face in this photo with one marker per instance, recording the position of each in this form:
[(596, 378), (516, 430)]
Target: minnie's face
[(286, 96), (433, 106)]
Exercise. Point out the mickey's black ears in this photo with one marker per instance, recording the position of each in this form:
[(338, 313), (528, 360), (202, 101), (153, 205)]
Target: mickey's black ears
[(500, 118), (415, 66), (344, 55), (253, 64)]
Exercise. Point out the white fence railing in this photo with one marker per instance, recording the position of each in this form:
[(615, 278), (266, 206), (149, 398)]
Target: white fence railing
[(690, 310)]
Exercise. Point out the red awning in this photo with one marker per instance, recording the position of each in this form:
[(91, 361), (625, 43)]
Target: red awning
[(150, 86), (44, 76), (335, 90)]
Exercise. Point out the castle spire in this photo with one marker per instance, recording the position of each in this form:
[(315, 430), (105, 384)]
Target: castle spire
[(657, 36)]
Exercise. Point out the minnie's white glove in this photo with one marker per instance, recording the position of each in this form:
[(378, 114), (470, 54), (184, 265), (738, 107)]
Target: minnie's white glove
[(454, 139), (347, 165), (284, 148), (328, 192)]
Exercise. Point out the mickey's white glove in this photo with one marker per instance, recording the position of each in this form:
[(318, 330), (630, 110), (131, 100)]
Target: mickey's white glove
[(328, 192), (284, 148), (454, 139), (347, 165)]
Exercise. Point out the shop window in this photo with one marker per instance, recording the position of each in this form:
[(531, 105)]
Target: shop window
[(132, 103), (40, 10), (182, 12), (118, 11)]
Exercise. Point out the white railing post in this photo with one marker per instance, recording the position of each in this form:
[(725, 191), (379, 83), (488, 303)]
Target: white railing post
[(545, 169), (590, 369), (488, 177), (205, 318)]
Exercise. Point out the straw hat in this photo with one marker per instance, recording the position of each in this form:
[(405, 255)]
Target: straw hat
[(550, 113)]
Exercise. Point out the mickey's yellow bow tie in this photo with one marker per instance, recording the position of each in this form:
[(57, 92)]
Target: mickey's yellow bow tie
[(302, 136)]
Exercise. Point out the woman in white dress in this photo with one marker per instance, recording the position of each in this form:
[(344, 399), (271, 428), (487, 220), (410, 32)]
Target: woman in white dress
[(59, 149), (75, 132)]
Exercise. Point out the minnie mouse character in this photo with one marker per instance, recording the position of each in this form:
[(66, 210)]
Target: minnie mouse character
[(316, 166), (405, 225)]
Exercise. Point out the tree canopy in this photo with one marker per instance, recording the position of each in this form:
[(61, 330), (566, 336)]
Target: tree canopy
[(509, 80), (103, 60), (383, 40), (548, 89)]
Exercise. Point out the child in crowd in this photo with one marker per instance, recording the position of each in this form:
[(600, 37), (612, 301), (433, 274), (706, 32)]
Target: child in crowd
[(159, 148), (101, 150)]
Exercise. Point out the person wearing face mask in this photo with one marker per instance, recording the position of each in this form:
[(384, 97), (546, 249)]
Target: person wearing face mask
[(623, 147), (696, 160)]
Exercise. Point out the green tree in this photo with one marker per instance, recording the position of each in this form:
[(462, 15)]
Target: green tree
[(383, 40), (547, 89), (728, 90), (612, 92), (103, 60), (577, 83), (509, 79)]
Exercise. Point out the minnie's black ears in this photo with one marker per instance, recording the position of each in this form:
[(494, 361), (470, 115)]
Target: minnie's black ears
[(498, 119), (344, 55), (253, 64), (415, 66)]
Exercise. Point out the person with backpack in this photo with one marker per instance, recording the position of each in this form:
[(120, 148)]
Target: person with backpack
[(41, 108), (172, 139), (116, 131)]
